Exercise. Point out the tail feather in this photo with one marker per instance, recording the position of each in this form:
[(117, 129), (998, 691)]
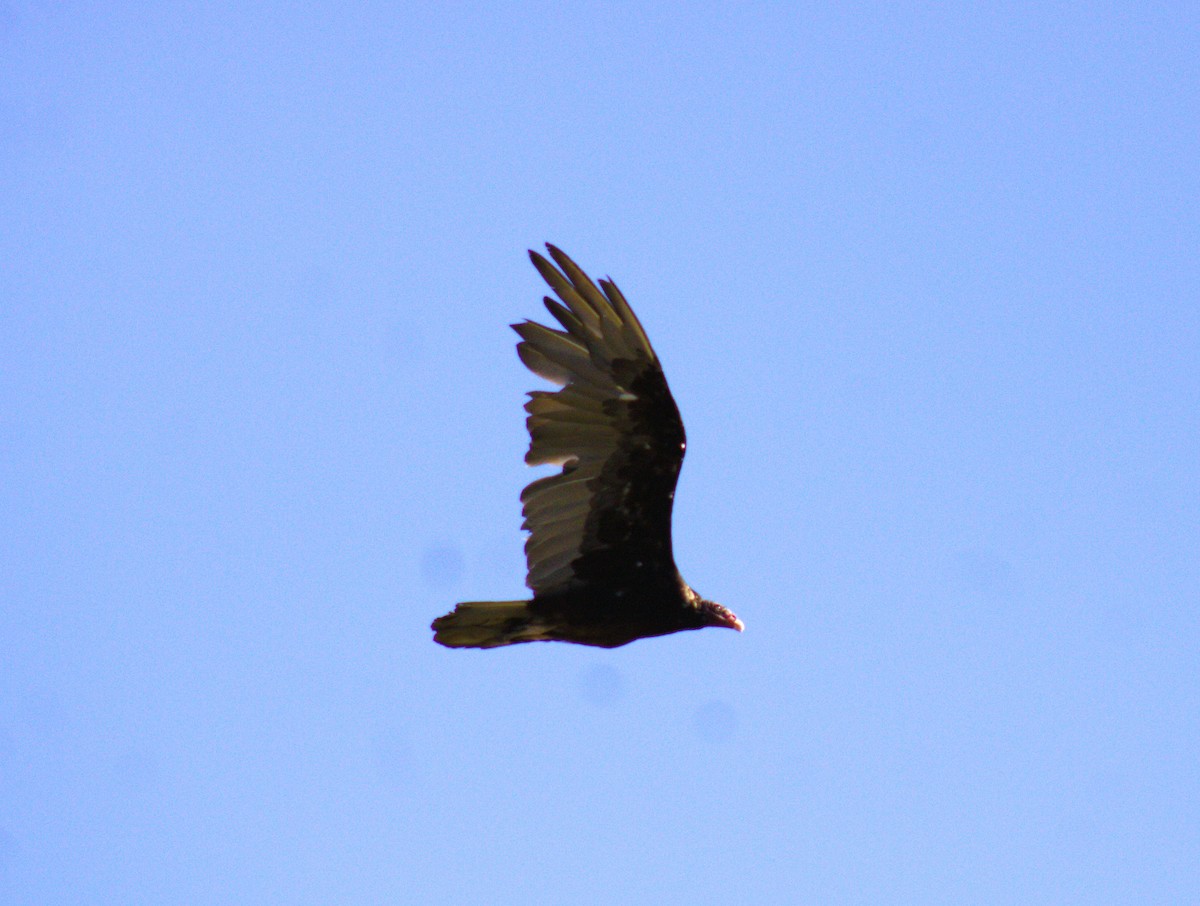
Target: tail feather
[(489, 624)]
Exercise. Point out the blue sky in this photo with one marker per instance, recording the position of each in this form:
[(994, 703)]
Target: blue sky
[(925, 284)]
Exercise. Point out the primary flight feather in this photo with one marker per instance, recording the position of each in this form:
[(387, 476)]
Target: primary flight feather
[(600, 563)]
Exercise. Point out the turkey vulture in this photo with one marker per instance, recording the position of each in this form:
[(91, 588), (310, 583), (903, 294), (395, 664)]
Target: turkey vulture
[(599, 550)]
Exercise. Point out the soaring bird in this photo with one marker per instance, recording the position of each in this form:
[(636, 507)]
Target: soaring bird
[(599, 556)]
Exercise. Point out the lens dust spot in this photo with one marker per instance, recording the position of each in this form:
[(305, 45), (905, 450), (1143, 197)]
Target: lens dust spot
[(715, 722), (391, 753), (9, 851), (987, 575), (442, 564), (405, 345), (601, 685)]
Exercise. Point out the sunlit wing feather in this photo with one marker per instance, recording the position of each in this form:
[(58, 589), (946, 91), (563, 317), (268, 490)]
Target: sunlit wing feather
[(613, 427)]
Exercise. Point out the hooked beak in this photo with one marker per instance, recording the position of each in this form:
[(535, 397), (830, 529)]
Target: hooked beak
[(729, 621), (716, 615)]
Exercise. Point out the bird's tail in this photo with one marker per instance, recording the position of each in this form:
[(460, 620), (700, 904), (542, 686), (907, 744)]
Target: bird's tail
[(489, 624)]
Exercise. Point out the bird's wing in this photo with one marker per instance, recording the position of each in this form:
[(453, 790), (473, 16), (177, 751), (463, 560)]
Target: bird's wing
[(614, 428)]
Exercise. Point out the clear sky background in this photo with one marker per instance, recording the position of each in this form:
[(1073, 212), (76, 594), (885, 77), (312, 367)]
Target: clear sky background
[(925, 282)]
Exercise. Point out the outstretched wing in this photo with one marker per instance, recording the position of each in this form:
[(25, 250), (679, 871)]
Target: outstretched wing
[(605, 520)]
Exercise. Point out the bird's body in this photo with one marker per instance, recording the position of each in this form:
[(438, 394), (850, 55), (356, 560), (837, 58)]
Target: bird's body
[(599, 552)]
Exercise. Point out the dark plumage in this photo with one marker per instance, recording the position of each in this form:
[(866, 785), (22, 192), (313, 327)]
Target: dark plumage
[(599, 551)]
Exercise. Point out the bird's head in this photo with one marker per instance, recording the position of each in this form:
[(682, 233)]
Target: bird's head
[(704, 612), (716, 615)]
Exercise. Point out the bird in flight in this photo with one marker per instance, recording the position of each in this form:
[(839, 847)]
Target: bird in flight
[(600, 563)]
